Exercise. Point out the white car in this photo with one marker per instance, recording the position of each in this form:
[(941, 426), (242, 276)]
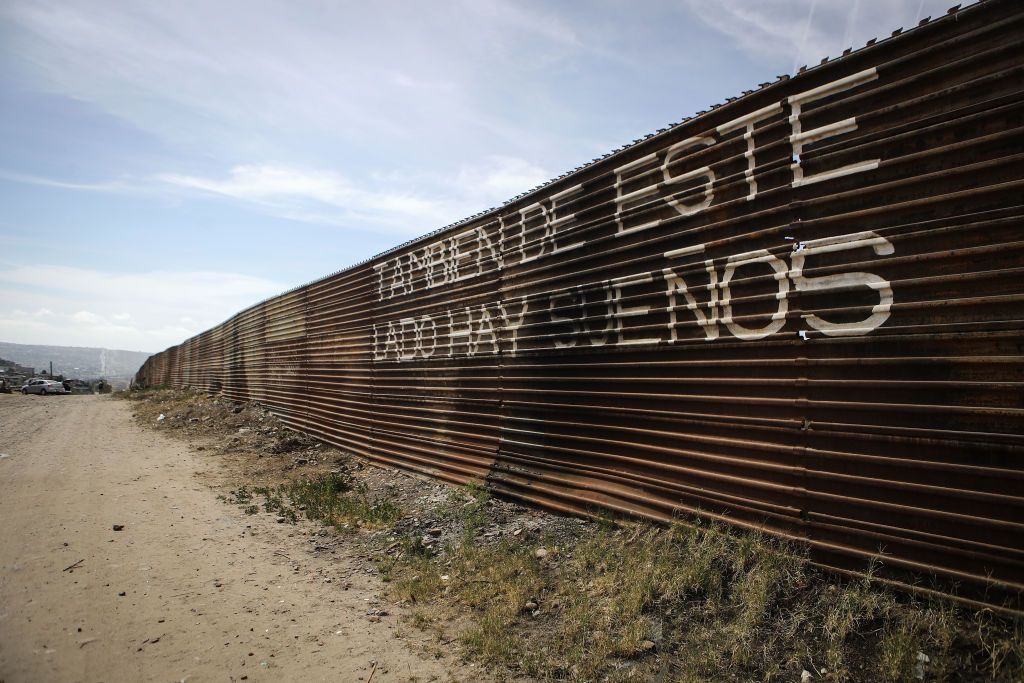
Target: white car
[(43, 387)]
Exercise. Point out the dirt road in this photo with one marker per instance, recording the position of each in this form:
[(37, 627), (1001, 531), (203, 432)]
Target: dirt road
[(190, 589)]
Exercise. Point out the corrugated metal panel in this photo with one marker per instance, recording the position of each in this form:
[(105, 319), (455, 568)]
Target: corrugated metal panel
[(799, 311)]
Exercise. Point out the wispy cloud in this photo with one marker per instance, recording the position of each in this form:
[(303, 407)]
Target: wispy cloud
[(396, 201), (805, 31), (282, 186), (324, 196), (105, 186), (221, 74)]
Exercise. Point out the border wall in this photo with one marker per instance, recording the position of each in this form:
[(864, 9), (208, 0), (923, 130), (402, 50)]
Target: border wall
[(801, 310)]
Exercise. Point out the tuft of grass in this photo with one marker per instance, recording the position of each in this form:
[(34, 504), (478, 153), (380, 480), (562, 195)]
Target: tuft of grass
[(335, 500), (319, 496), (466, 506), (496, 583), (274, 502), (331, 498), (622, 596), (240, 496), (1001, 650), (421, 619), (900, 646), (418, 582), (846, 612)]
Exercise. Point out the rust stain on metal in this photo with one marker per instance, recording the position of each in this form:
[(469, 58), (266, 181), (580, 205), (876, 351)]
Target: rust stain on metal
[(799, 311)]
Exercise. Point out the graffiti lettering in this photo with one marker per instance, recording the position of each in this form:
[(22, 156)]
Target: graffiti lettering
[(624, 310)]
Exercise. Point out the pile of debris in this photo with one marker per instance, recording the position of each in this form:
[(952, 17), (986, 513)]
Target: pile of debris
[(227, 425)]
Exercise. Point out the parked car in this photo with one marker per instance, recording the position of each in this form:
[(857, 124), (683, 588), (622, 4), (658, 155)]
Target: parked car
[(42, 387)]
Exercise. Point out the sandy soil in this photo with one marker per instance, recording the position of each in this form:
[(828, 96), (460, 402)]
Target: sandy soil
[(191, 588)]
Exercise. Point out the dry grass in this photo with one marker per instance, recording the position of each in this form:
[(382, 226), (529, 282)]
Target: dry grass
[(697, 603), (622, 601)]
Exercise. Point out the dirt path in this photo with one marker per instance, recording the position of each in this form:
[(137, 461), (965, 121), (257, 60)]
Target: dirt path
[(191, 588)]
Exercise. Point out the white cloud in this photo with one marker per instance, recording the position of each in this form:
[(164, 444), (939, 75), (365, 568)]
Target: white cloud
[(500, 178), (81, 307), (88, 318)]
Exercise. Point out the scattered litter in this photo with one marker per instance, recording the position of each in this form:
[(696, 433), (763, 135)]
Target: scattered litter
[(805, 676), (4, 455), (119, 527), (74, 566), (161, 418), (919, 665), (151, 641)]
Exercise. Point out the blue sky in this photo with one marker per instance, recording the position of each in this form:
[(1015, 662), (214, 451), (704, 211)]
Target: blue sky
[(167, 164)]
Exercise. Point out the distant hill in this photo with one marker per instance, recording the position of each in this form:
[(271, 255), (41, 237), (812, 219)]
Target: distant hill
[(91, 363)]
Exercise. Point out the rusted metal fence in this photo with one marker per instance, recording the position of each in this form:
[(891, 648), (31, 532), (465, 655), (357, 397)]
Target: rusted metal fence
[(799, 311)]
